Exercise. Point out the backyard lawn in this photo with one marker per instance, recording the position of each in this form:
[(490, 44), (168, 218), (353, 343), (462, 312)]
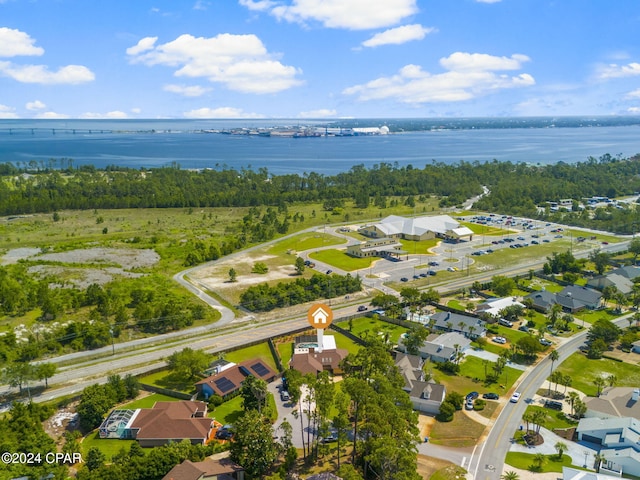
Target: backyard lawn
[(368, 326), (584, 371), (260, 350), (167, 379), (108, 446)]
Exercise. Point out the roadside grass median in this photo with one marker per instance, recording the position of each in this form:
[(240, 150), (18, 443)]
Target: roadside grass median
[(525, 461)]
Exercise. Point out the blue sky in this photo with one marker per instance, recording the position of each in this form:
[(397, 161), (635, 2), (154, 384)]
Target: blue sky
[(318, 58)]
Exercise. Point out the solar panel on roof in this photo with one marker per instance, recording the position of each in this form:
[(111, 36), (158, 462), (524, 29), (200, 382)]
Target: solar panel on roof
[(245, 371), (224, 385), (260, 369)]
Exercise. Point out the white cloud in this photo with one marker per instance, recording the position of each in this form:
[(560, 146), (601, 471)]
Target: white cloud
[(116, 114), (398, 36), (617, 71), (240, 62), (201, 5), (634, 110), (70, 74), (35, 105), (349, 14), (221, 112), (634, 94), (14, 43), (187, 91), (7, 112), (320, 113), (136, 110), (468, 76), (257, 5), (52, 115), (143, 45), (480, 62)]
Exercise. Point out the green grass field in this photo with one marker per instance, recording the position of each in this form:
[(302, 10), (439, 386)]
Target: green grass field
[(461, 432), (304, 241), (149, 401), (584, 371), (339, 259), (553, 418), (260, 350), (108, 446), (364, 326), (524, 461)]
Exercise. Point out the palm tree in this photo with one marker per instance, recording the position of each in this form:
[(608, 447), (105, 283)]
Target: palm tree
[(510, 475), (539, 459), (599, 382), (560, 448), (471, 330), (539, 418), (461, 326), (527, 418), (573, 396), (599, 458), (611, 380)]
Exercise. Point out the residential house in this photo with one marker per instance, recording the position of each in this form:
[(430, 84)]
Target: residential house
[(218, 467), (426, 397), (620, 278), (471, 327), (227, 382), (165, 422), (569, 473), (572, 298), (418, 228), (635, 346), (309, 358), (441, 348), (620, 439), (494, 306), (614, 402)]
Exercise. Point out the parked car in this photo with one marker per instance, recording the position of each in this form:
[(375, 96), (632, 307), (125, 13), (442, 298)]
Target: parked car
[(500, 340), (471, 396), (284, 396), (468, 405), (523, 328), (330, 438), (329, 272), (545, 342), (423, 274), (362, 308), (515, 397), (505, 323), (490, 396), (225, 432), (432, 272), (553, 404), (404, 279)]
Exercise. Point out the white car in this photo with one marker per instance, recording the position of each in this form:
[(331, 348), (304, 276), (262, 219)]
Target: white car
[(500, 340), (515, 397)]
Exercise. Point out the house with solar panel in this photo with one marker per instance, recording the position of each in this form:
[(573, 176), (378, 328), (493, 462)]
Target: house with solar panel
[(227, 382)]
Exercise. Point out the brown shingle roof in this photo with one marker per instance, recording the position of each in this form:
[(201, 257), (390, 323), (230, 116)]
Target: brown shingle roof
[(208, 468), (314, 362), (172, 420)]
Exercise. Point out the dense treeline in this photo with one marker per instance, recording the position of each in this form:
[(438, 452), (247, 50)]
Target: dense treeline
[(21, 430), (514, 188), (134, 304), (263, 298)]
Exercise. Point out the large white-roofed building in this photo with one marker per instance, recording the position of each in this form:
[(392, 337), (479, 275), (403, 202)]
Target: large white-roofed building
[(419, 228)]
